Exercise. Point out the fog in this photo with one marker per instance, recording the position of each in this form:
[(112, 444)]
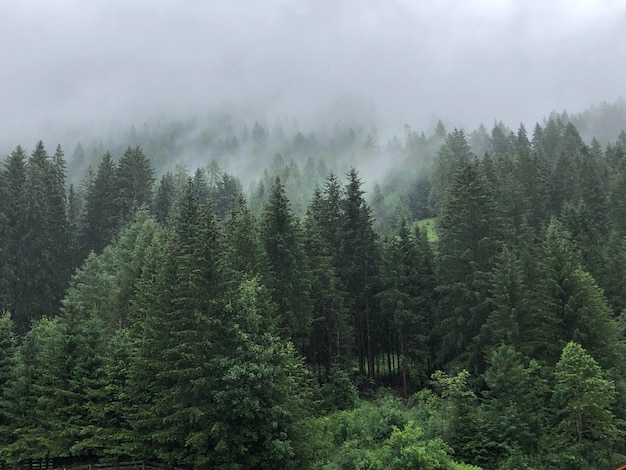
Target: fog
[(75, 68)]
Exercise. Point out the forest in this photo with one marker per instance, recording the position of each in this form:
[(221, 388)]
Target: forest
[(443, 300)]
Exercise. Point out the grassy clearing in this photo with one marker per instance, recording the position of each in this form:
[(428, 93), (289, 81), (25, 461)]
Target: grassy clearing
[(428, 226)]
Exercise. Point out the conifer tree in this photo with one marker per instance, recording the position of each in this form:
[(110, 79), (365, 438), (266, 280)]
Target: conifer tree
[(14, 173), (586, 430), (226, 193), (515, 404), (41, 273), (328, 210), (176, 308), (510, 305), (287, 276), (243, 251), (571, 307), (6, 271), (213, 383), (7, 376), (164, 198), (407, 300), (451, 156), (100, 220), (37, 382), (359, 270), (59, 230), (468, 231), (134, 178), (331, 332)]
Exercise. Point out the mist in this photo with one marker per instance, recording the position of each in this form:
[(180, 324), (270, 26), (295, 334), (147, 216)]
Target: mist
[(72, 69)]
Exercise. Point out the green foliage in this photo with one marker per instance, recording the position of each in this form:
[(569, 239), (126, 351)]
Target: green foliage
[(428, 226), (331, 333), (7, 376), (359, 269), (244, 253), (572, 306), (586, 430), (287, 274), (134, 178), (468, 242), (100, 219), (407, 300), (378, 435), (337, 392), (175, 339)]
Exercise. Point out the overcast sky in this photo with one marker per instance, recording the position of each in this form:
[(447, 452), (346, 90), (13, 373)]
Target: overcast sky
[(80, 65)]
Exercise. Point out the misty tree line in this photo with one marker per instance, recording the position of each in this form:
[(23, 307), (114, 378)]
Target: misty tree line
[(204, 328)]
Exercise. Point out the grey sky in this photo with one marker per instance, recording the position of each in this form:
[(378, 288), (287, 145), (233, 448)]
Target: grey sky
[(79, 65)]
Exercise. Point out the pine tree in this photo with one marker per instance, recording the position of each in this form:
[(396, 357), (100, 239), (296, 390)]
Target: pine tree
[(510, 307), (100, 220), (451, 156), (468, 241), (107, 431), (41, 274), (407, 301), (586, 429), (6, 271), (14, 174), (80, 351), (214, 386), (570, 307), (514, 408), (164, 198), (59, 230), (259, 389), (36, 385), (176, 310), (532, 172), (358, 267), (227, 191), (287, 276), (7, 376), (106, 283), (500, 144), (328, 213), (331, 333), (244, 253), (134, 179)]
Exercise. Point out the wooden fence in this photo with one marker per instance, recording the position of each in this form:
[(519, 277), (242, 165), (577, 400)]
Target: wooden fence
[(127, 465), (74, 463)]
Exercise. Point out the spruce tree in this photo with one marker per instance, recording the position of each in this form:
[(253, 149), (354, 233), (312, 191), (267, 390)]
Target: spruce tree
[(41, 272), (134, 178), (509, 302), (586, 430), (331, 332), (176, 309), (570, 307), (6, 271), (8, 346), (407, 301), (214, 386), (243, 251), (359, 270), (287, 275), (468, 231), (14, 173), (164, 198), (100, 220)]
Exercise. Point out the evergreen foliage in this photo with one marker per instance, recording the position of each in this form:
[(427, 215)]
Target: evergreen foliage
[(208, 328)]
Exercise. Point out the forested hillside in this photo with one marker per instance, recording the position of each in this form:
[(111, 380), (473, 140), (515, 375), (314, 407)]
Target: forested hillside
[(444, 300)]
